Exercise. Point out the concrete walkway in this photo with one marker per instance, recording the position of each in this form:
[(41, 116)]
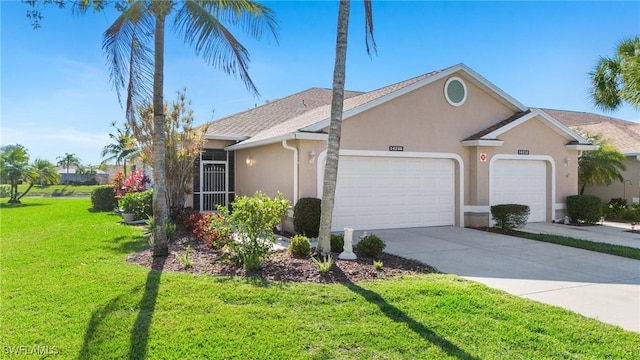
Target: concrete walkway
[(609, 232), (600, 286)]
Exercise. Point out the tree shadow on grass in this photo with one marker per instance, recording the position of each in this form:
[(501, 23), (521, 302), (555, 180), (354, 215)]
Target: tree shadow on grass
[(5, 205), (128, 244), (398, 315), (140, 333)]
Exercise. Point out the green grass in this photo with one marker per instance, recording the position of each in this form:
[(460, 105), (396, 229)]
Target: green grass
[(612, 249), (66, 286), (58, 190)]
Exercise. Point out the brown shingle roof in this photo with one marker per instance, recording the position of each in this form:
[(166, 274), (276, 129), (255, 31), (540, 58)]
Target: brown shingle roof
[(295, 123), (253, 121), (625, 135), (505, 122)]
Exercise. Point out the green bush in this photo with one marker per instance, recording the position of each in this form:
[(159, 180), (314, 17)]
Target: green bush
[(103, 198), (584, 208), (254, 218), (510, 216), (630, 215), (616, 208), (370, 246), (5, 190), (337, 243), (299, 245), (139, 203), (306, 217)]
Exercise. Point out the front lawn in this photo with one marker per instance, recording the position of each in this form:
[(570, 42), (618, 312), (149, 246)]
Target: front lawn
[(67, 290)]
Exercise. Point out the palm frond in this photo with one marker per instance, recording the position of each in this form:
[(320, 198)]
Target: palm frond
[(368, 17), (201, 25), (130, 57)]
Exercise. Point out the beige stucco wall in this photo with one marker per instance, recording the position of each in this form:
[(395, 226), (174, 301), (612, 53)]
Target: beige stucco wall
[(628, 189), (421, 121), (271, 171)]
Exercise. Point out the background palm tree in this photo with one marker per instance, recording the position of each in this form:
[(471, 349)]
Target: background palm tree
[(135, 48), (15, 168), (68, 160), (617, 80), (335, 127), (601, 166), (46, 171), (123, 145)]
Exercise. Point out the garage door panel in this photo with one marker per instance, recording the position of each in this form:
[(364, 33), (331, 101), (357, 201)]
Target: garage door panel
[(378, 192), (521, 182)]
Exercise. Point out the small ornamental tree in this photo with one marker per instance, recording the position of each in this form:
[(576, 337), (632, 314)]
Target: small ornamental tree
[(254, 219)]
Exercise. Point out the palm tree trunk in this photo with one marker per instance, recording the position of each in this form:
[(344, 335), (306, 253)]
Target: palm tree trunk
[(160, 246), (335, 127)]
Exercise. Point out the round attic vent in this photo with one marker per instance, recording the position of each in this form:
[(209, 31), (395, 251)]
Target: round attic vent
[(455, 91)]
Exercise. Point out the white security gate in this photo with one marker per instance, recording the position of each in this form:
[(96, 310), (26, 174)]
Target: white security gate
[(213, 185), (521, 182), (394, 192)]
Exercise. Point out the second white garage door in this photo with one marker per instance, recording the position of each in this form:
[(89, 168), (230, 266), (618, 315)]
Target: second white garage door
[(382, 192), (521, 182)]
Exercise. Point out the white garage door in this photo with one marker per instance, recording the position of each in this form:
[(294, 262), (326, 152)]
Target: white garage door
[(521, 182), (380, 192)]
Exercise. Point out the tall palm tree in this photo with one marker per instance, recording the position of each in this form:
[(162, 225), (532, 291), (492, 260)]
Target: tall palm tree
[(601, 166), (617, 80), (68, 160), (135, 47), (335, 126), (123, 145)]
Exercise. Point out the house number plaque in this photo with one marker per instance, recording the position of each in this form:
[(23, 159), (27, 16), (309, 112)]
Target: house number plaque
[(523, 152), (396, 148)]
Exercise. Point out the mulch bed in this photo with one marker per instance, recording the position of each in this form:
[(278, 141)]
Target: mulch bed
[(280, 266)]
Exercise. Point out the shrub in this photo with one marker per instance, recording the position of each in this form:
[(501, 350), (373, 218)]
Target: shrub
[(510, 216), (378, 265), (5, 190), (218, 232), (103, 198), (370, 246), (306, 217), (299, 245), (138, 203), (254, 218), (337, 243), (616, 208), (584, 208), (185, 218), (185, 260), (630, 215)]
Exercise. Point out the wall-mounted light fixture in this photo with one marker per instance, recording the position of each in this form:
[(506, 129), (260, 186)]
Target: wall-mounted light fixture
[(250, 161), (312, 156), (567, 161)]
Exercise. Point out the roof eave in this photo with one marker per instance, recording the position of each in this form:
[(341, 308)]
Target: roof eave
[(483, 142), (277, 139), (581, 147)]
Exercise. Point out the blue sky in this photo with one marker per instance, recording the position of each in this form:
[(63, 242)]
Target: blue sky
[(56, 97)]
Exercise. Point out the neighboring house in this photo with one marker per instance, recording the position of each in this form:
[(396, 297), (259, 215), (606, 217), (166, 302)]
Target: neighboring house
[(625, 135), (100, 177), (438, 149)]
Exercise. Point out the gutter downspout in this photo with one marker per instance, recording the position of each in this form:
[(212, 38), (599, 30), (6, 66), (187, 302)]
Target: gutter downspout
[(295, 169)]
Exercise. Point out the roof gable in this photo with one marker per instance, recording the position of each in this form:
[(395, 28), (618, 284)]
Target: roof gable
[(492, 132)]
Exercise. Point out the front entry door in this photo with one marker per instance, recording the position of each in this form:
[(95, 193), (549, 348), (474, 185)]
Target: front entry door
[(213, 185)]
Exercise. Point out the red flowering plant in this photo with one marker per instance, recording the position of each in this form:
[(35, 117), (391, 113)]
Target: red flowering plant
[(135, 182)]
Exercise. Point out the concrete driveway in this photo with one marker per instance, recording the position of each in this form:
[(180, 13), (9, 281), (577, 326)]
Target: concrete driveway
[(600, 286)]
